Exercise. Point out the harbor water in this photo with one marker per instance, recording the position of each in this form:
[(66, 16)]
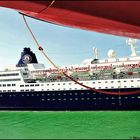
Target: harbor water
[(69, 125)]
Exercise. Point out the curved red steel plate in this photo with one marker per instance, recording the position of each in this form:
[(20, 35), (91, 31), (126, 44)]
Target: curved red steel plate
[(120, 18)]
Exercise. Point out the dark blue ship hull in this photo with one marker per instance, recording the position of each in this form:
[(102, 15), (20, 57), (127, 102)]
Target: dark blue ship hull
[(68, 100)]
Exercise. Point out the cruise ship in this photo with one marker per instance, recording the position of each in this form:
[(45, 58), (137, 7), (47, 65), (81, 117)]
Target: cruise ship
[(107, 84)]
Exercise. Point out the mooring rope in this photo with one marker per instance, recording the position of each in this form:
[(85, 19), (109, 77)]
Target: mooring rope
[(69, 77)]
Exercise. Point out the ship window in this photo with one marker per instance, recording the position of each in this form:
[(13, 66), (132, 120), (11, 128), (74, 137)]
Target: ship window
[(99, 82), (21, 85), (52, 84), (4, 90), (31, 85), (112, 87), (132, 81), (47, 84), (69, 83), (4, 85), (118, 81), (99, 87), (125, 86), (58, 83), (132, 86), (63, 83), (9, 90), (21, 90), (27, 90), (124, 81), (93, 82), (13, 90), (0, 85), (11, 74), (106, 87), (26, 85), (112, 81), (106, 81), (38, 84), (13, 84), (8, 85), (1, 80), (32, 90)]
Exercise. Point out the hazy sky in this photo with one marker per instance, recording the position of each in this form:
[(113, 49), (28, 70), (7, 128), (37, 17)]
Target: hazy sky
[(64, 45)]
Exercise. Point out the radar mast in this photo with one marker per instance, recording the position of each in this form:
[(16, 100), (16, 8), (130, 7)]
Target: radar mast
[(132, 42)]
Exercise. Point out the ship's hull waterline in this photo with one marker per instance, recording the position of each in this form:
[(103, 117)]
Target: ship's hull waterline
[(69, 100)]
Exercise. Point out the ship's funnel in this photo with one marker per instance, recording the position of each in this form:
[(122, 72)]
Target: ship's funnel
[(27, 57)]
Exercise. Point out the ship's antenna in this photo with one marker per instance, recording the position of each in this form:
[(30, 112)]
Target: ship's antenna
[(132, 42), (95, 53)]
